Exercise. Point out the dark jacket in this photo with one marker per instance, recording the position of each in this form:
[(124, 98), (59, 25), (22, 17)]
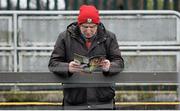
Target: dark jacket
[(70, 42)]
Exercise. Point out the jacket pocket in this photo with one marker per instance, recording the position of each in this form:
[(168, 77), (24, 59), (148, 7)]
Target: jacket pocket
[(75, 96), (105, 94)]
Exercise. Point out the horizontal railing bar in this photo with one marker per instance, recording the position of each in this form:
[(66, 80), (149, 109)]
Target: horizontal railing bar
[(57, 84), (31, 92), (104, 12), (55, 87), (117, 84), (6, 48), (59, 103), (35, 48), (28, 103), (117, 92), (147, 103), (145, 92), (52, 88), (29, 84), (167, 48), (145, 84), (124, 77), (135, 47)]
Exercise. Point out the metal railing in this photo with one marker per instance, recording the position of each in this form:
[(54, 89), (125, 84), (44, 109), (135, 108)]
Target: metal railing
[(22, 82), (20, 41)]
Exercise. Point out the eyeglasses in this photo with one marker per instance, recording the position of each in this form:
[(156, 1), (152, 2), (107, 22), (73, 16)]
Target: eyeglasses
[(91, 27)]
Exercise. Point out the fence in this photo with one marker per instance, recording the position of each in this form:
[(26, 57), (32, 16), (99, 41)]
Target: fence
[(27, 39), (16, 87), (100, 4), (126, 4), (149, 41)]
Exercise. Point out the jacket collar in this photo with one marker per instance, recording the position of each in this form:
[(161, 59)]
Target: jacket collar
[(101, 33)]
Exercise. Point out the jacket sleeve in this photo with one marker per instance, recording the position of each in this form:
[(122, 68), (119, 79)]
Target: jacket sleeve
[(57, 62), (114, 55)]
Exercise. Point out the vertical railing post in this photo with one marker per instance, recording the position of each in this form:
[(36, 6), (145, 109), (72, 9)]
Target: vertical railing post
[(15, 41)]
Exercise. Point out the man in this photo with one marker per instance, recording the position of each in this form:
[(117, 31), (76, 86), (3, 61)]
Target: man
[(87, 37)]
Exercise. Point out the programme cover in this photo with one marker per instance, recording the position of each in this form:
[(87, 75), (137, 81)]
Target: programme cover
[(90, 64)]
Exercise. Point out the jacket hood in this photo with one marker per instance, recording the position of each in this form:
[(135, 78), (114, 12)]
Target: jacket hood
[(73, 28)]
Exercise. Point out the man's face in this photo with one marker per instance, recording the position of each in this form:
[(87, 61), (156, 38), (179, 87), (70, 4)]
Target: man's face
[(88, 29)]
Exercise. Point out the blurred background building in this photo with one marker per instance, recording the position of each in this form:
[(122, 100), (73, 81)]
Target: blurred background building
[(100, 4)]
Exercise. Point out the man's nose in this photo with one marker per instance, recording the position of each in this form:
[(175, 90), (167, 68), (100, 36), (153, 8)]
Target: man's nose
[(88, 29)]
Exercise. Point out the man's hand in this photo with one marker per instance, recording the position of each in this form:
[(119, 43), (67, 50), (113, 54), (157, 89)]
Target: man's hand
[(105, 65), (74, 67)]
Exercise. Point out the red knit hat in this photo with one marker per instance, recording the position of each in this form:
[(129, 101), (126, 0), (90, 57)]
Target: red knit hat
[(88, 14)]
